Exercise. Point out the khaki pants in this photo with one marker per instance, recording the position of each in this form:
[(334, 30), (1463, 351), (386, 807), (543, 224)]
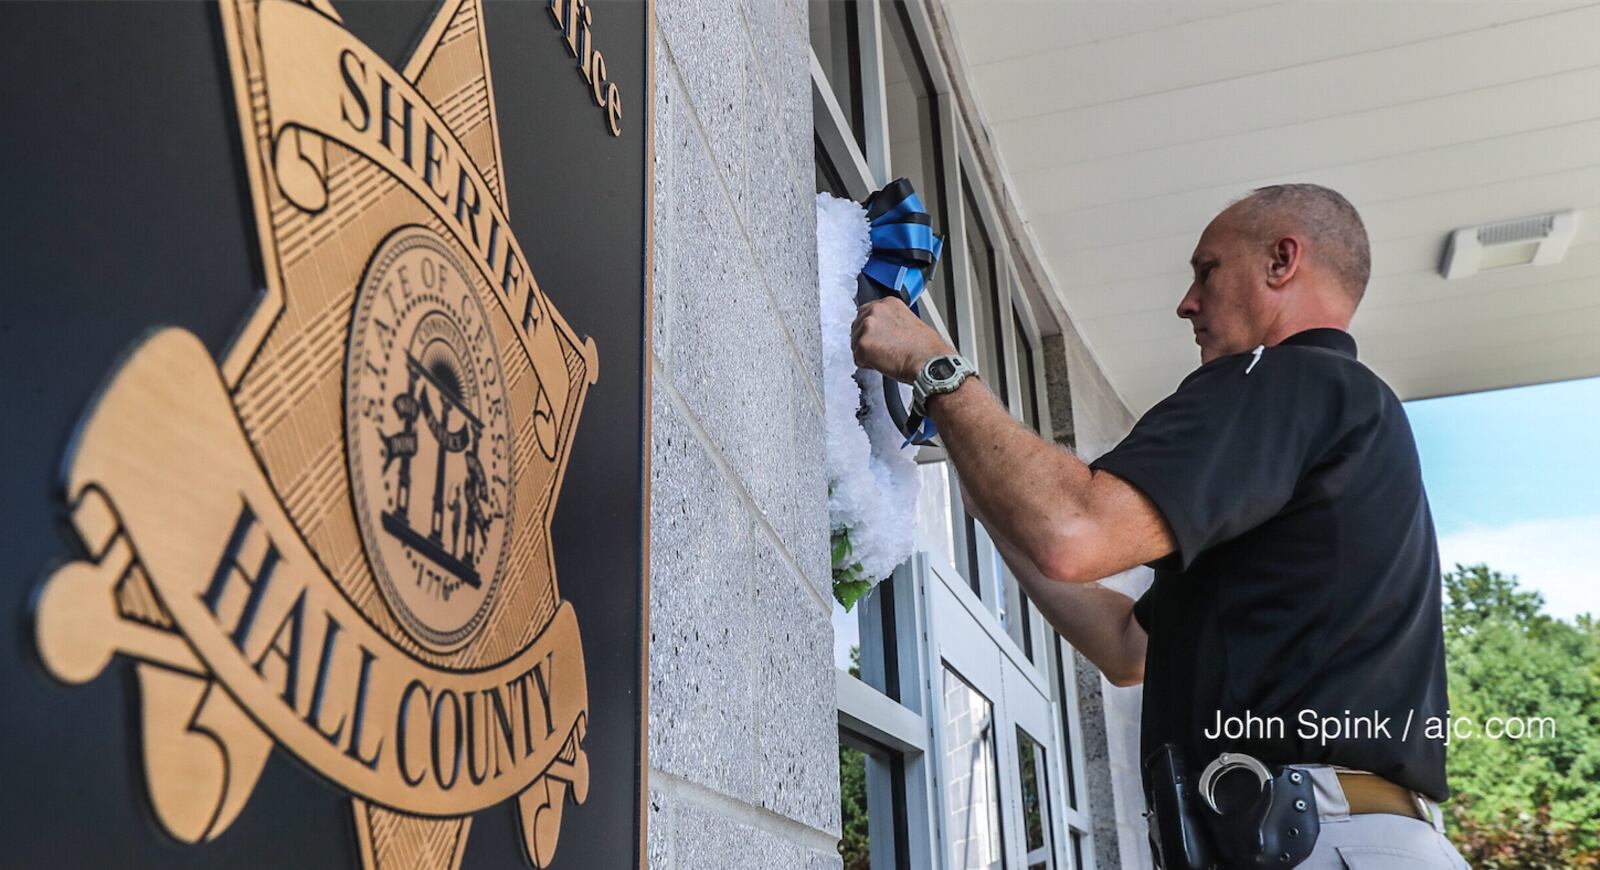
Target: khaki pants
[(1374, 841)]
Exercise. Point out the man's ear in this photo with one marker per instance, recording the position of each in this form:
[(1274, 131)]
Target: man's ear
[(1286, 256)]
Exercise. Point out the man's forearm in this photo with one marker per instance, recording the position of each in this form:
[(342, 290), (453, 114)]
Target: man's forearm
[(1097, 621), (1027, 490)]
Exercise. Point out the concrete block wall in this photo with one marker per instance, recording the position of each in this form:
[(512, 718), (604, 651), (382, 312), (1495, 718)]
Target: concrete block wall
[(743, 740)]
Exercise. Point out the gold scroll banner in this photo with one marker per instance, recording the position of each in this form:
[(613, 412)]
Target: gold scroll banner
[(164, 448), (326, 84)]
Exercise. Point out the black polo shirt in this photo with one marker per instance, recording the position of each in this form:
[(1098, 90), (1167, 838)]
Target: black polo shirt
[(1306, 574)]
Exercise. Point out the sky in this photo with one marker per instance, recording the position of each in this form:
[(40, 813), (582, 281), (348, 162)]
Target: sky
[(1513, 480)]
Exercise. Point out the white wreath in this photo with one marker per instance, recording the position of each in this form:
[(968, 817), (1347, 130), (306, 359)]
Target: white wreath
[(872, 480)]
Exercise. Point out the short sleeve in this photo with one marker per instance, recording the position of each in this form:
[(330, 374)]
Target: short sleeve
[(1142, 608), (1228, 449)]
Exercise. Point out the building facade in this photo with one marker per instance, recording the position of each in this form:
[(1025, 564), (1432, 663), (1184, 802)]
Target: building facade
[(969, 732)]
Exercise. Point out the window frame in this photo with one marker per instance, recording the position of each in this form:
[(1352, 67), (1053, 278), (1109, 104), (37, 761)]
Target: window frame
[(908, 726)]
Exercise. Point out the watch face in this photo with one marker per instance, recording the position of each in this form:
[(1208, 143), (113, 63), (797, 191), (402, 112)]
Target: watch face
[(941, 369)]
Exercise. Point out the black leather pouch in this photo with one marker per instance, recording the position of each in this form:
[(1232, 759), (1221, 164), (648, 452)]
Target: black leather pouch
[(1173, 809)]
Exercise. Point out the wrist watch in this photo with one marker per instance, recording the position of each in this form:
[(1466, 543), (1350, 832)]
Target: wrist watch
[(942, 374)]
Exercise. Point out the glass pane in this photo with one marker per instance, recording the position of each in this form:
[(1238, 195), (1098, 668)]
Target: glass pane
[(1063, 686), (934, 512), (1077, 850), (1005, 596), (971, 777), (864, 640), (1031, 775), (846, 640), (872, 804), (983, 279), (1030, 384), (971, 570), (836, 40), (915, 151), (1025, 617), (854, 841), (828, 178)]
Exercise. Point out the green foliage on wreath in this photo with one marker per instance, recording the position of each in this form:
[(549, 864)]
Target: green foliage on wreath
[(849, 584)]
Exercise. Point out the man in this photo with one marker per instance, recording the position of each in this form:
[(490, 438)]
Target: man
[(1278, 496)]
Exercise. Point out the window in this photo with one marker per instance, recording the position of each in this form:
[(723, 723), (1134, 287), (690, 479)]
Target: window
[(872, 805), (984, 347), (930, 688), (971, 777), (864, 643), (1063, 686), (828, 177), (915, 150), (855, 840), (1025, 372), (836, 42), (983, 277), (1020, 614), (1033, 781)]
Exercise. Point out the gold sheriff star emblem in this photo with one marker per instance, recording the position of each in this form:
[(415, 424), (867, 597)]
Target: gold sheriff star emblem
[(337, 539)]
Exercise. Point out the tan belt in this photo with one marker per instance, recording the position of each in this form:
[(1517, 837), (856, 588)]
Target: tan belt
[(1370, 793)]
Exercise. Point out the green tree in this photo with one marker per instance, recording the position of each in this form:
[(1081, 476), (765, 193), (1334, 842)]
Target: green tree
[(1530, 802)]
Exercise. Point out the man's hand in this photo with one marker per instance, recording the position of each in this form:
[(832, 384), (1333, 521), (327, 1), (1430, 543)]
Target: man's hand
[(890, 338)]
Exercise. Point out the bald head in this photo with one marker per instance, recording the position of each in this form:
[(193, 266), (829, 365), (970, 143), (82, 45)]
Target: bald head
[(1335, 237), (1283, 259)]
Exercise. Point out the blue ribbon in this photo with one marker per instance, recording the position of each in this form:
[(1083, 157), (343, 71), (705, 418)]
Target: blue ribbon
[(905, 250)]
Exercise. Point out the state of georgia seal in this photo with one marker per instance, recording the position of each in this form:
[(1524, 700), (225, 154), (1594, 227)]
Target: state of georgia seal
[(430, 440), (335, 539)]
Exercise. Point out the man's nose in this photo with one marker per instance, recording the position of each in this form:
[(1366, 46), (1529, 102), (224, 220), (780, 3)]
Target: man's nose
[(1188, 306)]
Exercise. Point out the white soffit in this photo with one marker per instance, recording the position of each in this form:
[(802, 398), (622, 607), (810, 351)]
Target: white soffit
[(1123, 127)]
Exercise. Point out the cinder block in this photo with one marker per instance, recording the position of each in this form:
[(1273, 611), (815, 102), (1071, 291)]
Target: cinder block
[(788, 478), (782, 222), (659, 833), (703, 543), (729, 844), (779, 31), (797, 749), (825, 861), (780, 177), (724, 349), (707, 41)]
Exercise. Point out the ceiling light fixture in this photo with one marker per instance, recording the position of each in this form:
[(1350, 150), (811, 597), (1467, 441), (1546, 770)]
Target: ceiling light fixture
[(1540, 241)]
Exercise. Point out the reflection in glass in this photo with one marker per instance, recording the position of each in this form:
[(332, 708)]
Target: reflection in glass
[(971, 777), (872, 805), (854, 841), (836, 41), (1035, 808)]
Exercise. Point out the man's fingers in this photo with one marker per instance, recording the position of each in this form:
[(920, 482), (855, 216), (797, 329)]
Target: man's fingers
[(860, 323)]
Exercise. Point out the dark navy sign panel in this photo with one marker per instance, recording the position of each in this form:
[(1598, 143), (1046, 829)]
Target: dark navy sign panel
[(127, 208)]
